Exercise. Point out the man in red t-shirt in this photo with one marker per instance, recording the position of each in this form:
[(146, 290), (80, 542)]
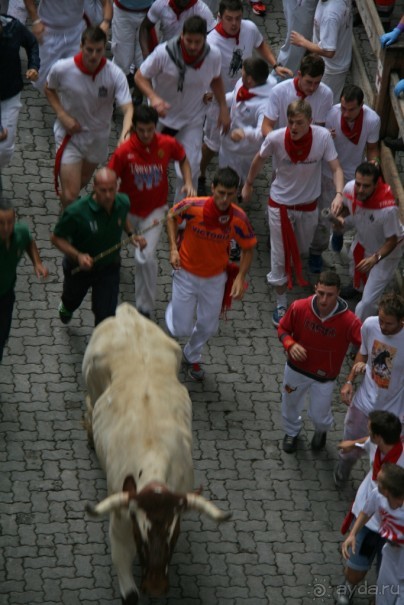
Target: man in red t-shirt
[(141, 163), (200, 265)]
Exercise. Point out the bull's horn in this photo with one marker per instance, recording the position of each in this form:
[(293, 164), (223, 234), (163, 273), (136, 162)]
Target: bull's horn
[(114, 502), (200, 503)]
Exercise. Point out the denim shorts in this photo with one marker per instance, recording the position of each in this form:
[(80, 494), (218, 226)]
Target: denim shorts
[(369, 545)]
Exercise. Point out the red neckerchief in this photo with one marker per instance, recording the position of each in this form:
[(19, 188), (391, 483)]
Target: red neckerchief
[(78, 59), (392, 456), (213, 218), (298, 151), (382, 197), (188, 60), (352, 134), (220, 30), (177, 10), (243, 94), (299, 92)]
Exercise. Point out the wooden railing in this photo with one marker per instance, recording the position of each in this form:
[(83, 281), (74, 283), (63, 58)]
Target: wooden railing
[(379, 95)]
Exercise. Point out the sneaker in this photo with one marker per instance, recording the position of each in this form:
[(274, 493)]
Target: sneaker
[(339, 478), (277, 315), (235, 250), (194, 370), (315, 263), (344, 593), (258, 8), (318, 441), (349, 291), (64, 314), (201, 190), (337, 241), (289, 444)]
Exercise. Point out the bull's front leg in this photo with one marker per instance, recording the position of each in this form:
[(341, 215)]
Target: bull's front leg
[(123, 551)]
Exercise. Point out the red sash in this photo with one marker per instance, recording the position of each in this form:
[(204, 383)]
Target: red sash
[(177, 10), (352, 134), (220, 30), (299, 92), (358, 256), (232, 271), (291, 250), (243, 94), (58, 161), (299, 150)]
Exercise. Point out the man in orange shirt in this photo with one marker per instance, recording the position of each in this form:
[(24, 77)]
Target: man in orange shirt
[(200, 264)]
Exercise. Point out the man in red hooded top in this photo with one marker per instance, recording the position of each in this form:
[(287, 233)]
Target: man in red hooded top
[(141, 163)]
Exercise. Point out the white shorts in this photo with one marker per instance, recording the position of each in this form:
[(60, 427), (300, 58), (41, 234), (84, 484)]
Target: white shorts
[(83, 146)]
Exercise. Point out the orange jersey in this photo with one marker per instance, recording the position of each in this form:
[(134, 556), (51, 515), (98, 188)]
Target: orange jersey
[(205, 252)]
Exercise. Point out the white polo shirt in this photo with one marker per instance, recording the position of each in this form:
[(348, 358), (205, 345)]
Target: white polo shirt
[(89, 100), (233, 54), (284, 93), (187, 106), (298, 183), (171, 25), (349, 154)]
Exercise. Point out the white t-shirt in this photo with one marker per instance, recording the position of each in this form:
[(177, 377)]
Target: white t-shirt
[(382, 387), (349, 154), (298, 183), (171, 25), (284, 93), (187, 105), (390, 520), (373, 227), (233, 54), (60, 13), (90, 101), (368, 485), (332, 30)]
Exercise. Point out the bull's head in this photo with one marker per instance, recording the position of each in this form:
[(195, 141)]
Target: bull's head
[(155, 513)]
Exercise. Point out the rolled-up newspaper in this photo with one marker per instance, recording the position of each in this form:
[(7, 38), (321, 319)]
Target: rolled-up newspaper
[(328, 215)]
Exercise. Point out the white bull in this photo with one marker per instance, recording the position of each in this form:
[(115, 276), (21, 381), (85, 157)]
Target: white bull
[(140, 417)]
